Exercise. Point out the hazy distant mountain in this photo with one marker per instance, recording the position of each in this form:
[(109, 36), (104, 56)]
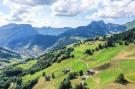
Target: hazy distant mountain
[(130, 25), (11, 33), (95, 28), (52, 31), (7, 54), (23, 38)]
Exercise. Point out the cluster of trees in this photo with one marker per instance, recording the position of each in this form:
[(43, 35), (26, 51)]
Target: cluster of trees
[(125, 38), (73, 75), (13, 72), (91, 51), (82, 85), (66, 84), (20, 85), (121, 79), (30, 84), (48, 77), (9, 75), (18, 81), (5, 82)]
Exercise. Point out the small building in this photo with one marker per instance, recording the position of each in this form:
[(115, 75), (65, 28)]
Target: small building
[(91, 72), (65, 71)]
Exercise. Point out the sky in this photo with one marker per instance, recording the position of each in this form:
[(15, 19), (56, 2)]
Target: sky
[(65, 13)]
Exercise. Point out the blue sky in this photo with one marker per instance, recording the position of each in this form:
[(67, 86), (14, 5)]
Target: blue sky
[(65, 13)]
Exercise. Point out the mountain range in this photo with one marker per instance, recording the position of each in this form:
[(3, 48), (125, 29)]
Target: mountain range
[(95, 28), (30, 41)]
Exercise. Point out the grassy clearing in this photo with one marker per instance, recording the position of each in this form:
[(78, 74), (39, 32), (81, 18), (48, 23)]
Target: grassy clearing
[(79, 50), (127, 66), (103, 56), (130, 77), (28, 65), (102, 78)]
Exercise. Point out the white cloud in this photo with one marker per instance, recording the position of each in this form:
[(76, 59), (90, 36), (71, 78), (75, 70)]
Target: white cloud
[(114, 9), (71, 7), (3, 20), (99, 8), (25, 8), (36, 11)]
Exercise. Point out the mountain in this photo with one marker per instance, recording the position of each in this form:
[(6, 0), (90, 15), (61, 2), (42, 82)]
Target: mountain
[(12, 32), (52, 31), (130, 24), (24, 39), (94, 29), (7, 54)]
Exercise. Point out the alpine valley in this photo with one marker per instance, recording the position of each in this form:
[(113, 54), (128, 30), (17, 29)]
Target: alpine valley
[(97, 56), (31, 41)]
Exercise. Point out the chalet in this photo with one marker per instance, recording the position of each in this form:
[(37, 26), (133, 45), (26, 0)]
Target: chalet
[(65, 71), (91, 72)]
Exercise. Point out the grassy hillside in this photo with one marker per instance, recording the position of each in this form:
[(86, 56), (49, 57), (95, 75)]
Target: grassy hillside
[(84, 62), (27, 65), (103, 79), (120, 59), (81, 62), (112, 60)]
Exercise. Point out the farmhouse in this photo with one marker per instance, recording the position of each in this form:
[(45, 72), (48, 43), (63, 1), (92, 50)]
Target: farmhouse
[(65, 71), (91, 72)]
